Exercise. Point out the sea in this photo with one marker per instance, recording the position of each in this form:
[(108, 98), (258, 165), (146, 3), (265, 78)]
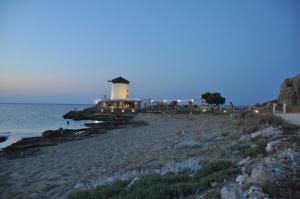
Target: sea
[(19, 121)]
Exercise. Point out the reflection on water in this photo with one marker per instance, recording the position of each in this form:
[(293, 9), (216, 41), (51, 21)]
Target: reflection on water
[(18, 121)]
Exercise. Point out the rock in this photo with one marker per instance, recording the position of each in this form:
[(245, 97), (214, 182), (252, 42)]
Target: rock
[(245, 138), (241, 179), (293, 155), (230, 191), (243, 161), (290, 91), (58, 133), (279, 174), (273, 145), (267, 132), (255, 189), (3, 139), (256, 192)]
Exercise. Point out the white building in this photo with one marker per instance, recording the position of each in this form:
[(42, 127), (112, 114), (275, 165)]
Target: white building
[(119, 88), (120, 97)]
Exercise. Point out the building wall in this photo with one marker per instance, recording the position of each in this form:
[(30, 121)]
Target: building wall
[(120, 91)]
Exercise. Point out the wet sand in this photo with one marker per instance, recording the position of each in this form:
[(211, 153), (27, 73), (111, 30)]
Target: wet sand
[(55, 171)]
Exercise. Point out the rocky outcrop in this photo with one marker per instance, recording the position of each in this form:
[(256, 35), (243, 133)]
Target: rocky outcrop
[(279, 175), (275, 171), (2, 139), (290, 91), (274, 176)]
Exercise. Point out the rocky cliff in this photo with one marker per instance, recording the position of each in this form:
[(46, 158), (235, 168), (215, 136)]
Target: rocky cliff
[(290, 91)]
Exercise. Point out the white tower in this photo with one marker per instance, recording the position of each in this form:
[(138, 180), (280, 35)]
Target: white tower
[(119, 88)]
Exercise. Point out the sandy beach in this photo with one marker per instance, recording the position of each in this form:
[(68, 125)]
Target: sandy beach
[(55, 171)]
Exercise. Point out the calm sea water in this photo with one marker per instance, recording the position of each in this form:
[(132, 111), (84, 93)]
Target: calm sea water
[(18, 121)]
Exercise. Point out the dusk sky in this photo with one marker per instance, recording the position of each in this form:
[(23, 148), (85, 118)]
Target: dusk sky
[(65, 51)]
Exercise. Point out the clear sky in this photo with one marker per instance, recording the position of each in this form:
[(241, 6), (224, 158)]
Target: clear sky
[(65, 51)]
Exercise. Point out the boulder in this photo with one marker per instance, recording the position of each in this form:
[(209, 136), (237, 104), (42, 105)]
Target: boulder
[(230, 191), (274, 145), (290, 91), (241, 179), (279, 174), (267, 132)]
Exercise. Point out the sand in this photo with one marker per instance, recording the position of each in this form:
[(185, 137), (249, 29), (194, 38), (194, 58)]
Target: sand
[(55, 171)]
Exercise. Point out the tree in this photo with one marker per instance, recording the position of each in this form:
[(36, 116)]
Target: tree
[(213, 98)]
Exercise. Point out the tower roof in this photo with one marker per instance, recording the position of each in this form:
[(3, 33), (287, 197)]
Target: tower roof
[(119, 80)]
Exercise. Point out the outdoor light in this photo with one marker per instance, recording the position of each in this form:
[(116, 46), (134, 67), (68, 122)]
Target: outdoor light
[(225, 111), (256, 111), (96, 101), (112, 110), (204, 110), (132, 110), (122, 110), (102, 110)]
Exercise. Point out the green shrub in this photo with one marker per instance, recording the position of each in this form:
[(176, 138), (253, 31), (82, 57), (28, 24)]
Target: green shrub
[(167, 186)]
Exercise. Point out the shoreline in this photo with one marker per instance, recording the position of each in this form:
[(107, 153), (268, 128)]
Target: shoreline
[(54, 137), (54, 171), (125, 153)]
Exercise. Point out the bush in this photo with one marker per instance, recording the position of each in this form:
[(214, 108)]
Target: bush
[(155, 186)]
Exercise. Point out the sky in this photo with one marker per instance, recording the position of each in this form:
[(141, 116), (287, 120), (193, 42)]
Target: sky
[(65, 51)]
